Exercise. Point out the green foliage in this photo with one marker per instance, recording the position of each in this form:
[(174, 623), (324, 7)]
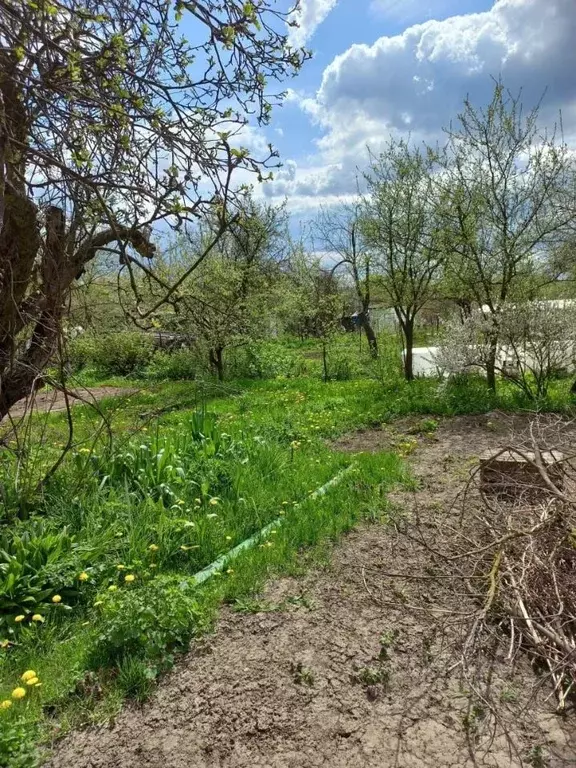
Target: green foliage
[(120, 354), (148, 622), (266, 360), (181, 364), (35, 564)]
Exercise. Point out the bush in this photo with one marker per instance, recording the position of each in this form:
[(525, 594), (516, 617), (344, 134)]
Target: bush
[(115, 354), (174, 366), (265, 360), (150, 621)]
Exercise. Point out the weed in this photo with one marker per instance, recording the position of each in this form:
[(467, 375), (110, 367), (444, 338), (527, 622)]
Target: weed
[(135, 678), (301, 674), (253, 605), (536, 757), (379, 675)]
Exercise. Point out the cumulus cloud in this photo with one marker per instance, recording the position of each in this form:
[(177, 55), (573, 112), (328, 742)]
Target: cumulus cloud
[(309, 16), (415, 83)]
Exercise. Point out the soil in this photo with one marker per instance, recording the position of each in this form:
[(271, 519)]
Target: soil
[(55, 401), (346, 671)]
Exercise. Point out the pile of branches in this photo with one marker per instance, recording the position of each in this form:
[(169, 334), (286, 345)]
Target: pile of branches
[(512, 553)]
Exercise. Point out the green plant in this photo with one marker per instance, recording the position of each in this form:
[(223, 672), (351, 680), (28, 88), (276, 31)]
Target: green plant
[(150, 621), (181, 364), (372, 676), (36, 564), (301, 674), (135, 678), (121, 354)]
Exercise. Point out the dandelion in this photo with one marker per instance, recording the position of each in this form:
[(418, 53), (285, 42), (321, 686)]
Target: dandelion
[(19, 618), (121, 567), (32, 681), (153, 548), (56, 599), (228, 538), (38, 617), (28, 675), (214, 501), (230, 570), (18, 693), (83, 576), (129, 578), (4, 643), (112, 588), (6, 704)]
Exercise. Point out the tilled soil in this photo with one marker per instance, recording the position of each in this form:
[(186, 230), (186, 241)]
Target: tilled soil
[(347, 672)]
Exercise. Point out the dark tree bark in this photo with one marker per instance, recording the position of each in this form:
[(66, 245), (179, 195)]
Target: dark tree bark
[(217, 361)]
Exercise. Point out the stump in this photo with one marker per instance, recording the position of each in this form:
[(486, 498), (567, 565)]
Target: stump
[(511, 474)]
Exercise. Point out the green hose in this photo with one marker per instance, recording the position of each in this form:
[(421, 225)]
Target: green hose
[(217, 565)]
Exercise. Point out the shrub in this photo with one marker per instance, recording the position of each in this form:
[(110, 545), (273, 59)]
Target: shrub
[(265, 360), (148, 622), (115, 354), (174, 366)]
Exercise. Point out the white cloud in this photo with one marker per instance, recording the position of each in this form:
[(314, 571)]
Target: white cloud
[(309, 16), (415, 83)]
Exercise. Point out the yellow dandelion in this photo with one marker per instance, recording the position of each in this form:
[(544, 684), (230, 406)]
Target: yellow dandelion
[(83, 576), (20, 618), (37, 617), (18, 693), (153, 548), (228, 538), (230, 570), (121, 567), (4, 643), (214, 501), (129, 578), (6, 704), (28, 675), (56, 599), (112, 588), (32, 681)]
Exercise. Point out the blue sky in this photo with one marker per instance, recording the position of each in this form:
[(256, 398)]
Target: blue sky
[(384, 67)]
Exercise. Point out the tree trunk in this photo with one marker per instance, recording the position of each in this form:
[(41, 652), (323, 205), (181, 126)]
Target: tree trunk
[(407, 326), (217, 361), (370, 335), (491, 364)]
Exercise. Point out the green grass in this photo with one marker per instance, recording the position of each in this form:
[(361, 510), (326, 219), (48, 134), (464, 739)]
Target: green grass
[(181, 473)]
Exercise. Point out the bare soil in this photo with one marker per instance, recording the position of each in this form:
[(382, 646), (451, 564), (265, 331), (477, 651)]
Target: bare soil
[(347, 672), (54, 400)]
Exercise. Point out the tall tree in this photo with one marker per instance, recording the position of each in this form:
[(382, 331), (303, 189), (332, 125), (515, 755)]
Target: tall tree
[(340, 232), (111, 122), (508, 193), (230, 299), (400, 224)]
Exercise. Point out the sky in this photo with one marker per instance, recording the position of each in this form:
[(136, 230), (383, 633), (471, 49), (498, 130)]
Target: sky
[(404, 67)]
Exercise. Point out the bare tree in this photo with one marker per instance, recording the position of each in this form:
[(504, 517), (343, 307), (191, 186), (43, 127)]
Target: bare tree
[(400, 225), (111, 122), (508, 194), (340, 232)]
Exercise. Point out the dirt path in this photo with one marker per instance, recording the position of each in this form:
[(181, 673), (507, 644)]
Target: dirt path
[(335, 677), (55, 401)]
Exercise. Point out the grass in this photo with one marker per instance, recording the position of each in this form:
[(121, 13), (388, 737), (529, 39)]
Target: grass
[(182, 473)]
